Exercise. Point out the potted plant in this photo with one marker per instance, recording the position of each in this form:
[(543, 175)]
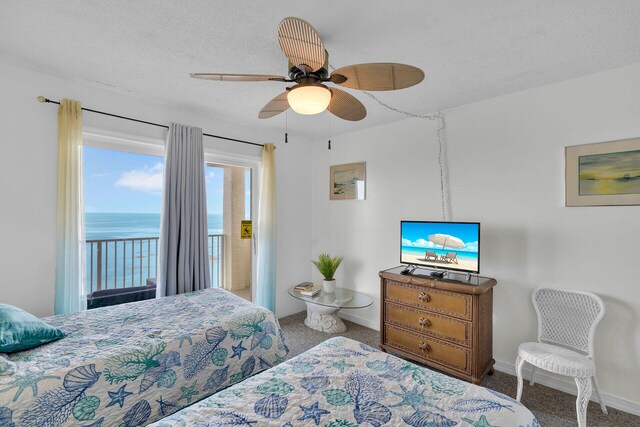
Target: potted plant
[(327, 266)]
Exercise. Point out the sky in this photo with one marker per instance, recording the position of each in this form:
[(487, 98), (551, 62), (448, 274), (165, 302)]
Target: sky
[(610, 165), (121, 182), (417, 234)]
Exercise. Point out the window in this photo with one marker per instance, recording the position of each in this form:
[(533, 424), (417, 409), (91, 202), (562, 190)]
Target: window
[(214, 178), (122, 199)]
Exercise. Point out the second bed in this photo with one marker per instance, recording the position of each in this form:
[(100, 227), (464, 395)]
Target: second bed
[(344, 383)]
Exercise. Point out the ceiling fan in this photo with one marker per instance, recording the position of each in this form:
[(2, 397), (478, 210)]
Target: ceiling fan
[(309, 70)]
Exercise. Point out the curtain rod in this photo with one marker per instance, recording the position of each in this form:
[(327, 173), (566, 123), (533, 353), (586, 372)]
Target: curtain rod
[(47, 100)]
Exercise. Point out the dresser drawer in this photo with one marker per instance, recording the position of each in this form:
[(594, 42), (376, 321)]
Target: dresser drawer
[(428, 348), (429, 323), (449, 303)]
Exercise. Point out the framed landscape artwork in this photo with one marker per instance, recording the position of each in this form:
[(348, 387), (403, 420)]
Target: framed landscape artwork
[(347, 182), (603, 174)]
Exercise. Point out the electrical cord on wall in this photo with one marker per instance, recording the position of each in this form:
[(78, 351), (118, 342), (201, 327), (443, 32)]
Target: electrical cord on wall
[(444, 191), (442, 158)]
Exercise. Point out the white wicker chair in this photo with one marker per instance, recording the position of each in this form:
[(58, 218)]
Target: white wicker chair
[(568, 318)]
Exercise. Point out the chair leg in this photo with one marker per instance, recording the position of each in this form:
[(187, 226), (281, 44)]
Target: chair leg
[(519, 364), (584, 394), (597, 387), (533, 373)]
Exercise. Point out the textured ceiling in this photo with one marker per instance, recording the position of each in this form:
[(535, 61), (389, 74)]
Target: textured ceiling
[(470, 50)]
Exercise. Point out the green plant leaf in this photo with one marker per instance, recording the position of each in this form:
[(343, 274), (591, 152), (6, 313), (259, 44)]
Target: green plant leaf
[(327, 265)]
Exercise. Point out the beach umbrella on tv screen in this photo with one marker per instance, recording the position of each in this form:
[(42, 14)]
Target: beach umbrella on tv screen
[(446, 240)]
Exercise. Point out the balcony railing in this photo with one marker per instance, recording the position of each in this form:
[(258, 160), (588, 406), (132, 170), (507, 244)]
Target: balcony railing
[(127, 263)]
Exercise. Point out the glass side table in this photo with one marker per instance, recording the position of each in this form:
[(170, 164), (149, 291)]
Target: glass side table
[(323, 307)]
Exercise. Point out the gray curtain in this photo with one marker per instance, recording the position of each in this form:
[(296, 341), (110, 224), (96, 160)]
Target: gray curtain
[(183, 254)]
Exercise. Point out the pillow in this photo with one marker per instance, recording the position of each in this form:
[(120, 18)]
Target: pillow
[(7, 367), (20, 330)]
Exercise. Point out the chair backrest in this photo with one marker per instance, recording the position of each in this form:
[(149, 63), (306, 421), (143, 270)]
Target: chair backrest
[(451, 255), (568, 317), (430, 253)]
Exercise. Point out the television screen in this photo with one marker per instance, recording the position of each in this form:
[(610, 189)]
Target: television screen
[(446, 245)]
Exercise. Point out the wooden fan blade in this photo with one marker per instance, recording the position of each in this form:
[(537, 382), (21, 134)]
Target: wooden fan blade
[(274, 107), (237, 77), (379, 76), (301, 44), (346, 106)]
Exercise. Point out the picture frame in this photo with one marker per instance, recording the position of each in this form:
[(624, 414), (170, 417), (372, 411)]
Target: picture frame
[(603, 174), (347, 181)]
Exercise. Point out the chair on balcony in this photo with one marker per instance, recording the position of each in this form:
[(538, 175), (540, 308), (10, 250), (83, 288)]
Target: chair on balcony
[(567, 318), (109, 297)]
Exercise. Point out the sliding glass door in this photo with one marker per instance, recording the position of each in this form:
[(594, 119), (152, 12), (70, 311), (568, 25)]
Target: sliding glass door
[(229, 202), (123, 196)]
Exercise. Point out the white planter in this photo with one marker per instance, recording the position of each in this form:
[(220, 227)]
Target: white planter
[(329, 286)]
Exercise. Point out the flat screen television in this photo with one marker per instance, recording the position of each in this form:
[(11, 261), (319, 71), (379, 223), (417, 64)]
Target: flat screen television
[(441, 245)]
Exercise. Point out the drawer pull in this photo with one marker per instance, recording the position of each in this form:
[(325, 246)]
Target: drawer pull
[(424, 346), (424, 297), (424, 322)]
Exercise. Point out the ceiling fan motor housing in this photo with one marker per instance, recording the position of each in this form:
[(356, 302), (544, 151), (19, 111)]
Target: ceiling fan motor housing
[(321, 74)]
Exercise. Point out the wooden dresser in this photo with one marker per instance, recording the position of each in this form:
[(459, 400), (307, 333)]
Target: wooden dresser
[(446, 324)]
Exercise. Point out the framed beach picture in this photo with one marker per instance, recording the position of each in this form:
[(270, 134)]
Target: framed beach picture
[(347, 182), (603, 174)]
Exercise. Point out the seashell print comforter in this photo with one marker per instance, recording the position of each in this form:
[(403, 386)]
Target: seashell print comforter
[(343, 383), (132, 364)]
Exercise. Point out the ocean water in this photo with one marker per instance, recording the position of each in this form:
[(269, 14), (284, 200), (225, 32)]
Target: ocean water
[(466, 255), (127, 263), (133, 225)]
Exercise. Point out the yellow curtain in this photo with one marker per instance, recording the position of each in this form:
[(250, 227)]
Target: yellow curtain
[(266, 286), (70, 295)]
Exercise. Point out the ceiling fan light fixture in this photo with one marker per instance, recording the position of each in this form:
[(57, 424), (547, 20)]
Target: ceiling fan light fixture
[(309, 99), (308, 68)]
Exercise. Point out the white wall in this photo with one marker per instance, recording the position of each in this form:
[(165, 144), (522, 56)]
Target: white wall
[(506, 161), (506, 171), (28, 173), (401, 183)]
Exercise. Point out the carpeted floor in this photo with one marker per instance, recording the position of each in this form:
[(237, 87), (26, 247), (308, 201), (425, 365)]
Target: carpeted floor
[(553, 408)]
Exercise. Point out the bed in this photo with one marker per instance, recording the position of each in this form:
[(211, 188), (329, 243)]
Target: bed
[(343, 383), (133, 364)]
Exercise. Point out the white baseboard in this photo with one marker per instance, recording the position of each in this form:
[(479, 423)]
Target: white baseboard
[(359, 320), (567, 385)]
